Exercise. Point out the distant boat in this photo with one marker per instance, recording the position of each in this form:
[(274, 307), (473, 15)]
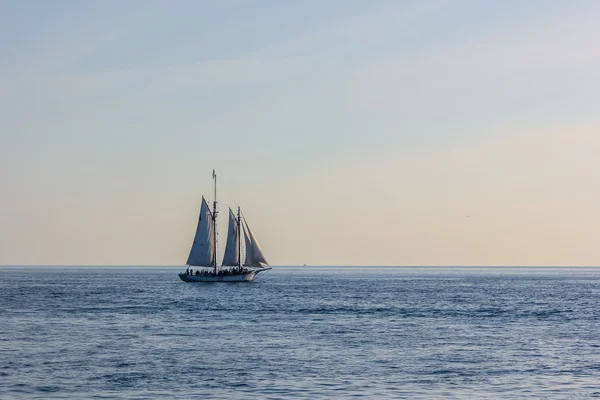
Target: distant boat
[(243, 259)]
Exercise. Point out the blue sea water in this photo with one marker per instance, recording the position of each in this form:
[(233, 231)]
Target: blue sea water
[(300, 333)]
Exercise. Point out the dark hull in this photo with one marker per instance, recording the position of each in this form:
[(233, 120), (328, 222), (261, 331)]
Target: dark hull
[(248, 277)]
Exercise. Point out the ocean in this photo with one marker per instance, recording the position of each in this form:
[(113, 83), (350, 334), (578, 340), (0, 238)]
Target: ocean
[(300, 333)]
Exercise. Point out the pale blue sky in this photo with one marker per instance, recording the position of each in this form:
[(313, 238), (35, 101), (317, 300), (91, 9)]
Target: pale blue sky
[(352, 132)]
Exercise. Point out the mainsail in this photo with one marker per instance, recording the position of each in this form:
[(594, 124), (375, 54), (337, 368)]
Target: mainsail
[(254, 255), (231, 256), (201, 253)]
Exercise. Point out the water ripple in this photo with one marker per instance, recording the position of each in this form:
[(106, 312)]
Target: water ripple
[(300, 333)]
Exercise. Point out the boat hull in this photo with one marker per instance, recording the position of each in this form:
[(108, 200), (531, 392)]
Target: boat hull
[(248, 277)]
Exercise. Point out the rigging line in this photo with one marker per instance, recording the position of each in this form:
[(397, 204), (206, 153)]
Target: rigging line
[(235, 202), (230, 196), (244, 218)]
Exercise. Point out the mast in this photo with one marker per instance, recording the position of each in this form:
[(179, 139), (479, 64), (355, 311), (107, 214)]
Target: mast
[(239, 240), (214, 219)]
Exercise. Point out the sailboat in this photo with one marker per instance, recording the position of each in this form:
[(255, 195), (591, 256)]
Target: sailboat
[(243, 259)]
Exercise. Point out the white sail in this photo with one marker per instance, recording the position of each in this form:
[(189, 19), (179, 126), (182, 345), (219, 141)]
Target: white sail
[(257, 252), (248, 253), (201, 253), (231, 256), (254, 254)]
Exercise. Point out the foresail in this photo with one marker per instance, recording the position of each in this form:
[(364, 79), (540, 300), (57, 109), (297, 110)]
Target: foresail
[(201, 253), (231, 256), (254, 254), (259, 257)]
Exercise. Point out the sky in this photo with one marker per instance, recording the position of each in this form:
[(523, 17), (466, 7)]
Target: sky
[(424, 132)]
